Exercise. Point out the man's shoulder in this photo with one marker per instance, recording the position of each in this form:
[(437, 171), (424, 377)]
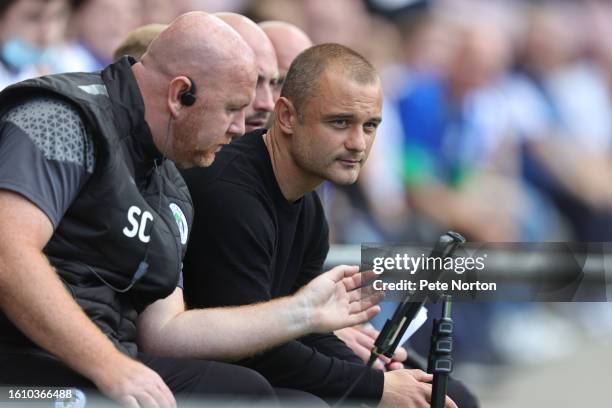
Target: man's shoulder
[(55, 126)]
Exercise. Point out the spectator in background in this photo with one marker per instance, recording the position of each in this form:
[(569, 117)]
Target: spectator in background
[(291, 12), (454, 125), (460, 161), (336, 21), (97, 27), (564, 120), (159, 11), (260, 110), (137, 42), (30, 30)]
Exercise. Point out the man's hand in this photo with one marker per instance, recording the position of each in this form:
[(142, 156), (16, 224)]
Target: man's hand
[(409, 389), (133, 384), (335, 299), (361, 340)]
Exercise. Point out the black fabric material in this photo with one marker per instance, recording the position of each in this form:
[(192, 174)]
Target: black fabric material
[(188, 379), (243, 224), (91, 236), (249, 244)]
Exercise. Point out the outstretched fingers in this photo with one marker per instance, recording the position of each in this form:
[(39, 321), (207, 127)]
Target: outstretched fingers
[(364, 316), (365, 308), (366, 302), (362, 293), (357, 280), (340, 272)]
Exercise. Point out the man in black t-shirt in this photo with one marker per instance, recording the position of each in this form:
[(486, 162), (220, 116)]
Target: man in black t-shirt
[(289, 41), (259, 230)]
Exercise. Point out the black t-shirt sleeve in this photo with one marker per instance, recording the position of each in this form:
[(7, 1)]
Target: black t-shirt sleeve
[(46, 155), (229, 257), (329, 344)]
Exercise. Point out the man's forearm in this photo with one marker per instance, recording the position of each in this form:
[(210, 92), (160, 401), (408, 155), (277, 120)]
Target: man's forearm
[(328, 302), (228, 333), (36, 301)]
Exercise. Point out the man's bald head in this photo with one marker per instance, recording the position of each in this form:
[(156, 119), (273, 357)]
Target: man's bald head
[(288, 41), (267, 69), (254, 36), (201, 55), (200, 45)]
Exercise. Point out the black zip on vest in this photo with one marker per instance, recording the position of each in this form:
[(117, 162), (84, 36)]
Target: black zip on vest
[(127, 214)]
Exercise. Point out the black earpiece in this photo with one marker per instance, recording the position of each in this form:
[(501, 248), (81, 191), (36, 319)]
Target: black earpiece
[(188, 97)]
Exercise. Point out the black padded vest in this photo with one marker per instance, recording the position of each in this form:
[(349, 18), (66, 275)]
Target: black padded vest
[(126, 212)]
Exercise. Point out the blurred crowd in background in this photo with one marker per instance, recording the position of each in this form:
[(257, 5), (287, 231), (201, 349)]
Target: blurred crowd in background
[(497, 123)]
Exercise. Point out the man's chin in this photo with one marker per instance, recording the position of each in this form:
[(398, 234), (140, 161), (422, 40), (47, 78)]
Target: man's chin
[(202, 160), (207, 160), (343, 178)]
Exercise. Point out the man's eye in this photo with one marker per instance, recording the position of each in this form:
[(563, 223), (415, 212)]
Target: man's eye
[(278, 82), (370, 126), (340, 123)]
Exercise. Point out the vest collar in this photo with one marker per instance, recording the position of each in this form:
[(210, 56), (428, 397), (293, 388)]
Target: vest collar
[(128, 107)]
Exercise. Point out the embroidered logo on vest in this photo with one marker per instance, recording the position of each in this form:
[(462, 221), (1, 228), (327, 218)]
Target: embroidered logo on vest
[(181, 221)]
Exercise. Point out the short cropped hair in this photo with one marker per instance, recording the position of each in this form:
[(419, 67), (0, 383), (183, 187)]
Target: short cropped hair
[(303, 77), (138, 41)]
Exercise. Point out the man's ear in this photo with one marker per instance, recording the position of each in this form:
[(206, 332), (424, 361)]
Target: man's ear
[(285, 115), (178, 86)]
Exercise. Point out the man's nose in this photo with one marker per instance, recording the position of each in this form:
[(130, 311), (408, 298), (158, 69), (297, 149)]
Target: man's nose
[(237, 127), (264, 99), (356, 140)]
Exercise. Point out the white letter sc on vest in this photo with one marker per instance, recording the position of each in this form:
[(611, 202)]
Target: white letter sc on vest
[(137, 227)]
